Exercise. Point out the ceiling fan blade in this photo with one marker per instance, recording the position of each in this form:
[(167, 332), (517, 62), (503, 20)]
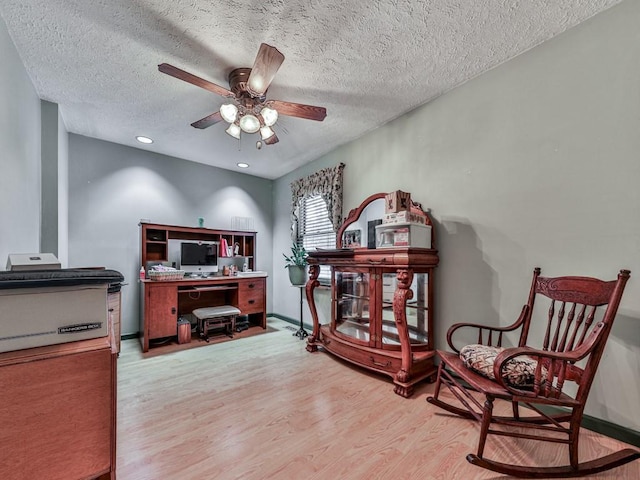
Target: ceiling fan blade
[(298, 110), (207, 121), (197, 81), (272, 139), (264, 68)]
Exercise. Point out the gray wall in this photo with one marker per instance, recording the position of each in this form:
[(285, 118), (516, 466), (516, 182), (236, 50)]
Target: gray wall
[(20, 160), (534, 163), (112, 187), (63, 192), (49, 178)]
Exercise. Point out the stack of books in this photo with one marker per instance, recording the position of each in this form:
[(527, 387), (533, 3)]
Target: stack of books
[(224, 248)]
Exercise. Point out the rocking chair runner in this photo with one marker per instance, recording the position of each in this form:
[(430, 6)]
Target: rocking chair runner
[(578, 323)]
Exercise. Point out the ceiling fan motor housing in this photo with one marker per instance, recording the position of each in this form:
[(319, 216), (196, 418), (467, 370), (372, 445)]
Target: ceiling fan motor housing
[(238, 85)]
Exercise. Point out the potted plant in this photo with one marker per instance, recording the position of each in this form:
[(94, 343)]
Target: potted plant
[(297, 263)]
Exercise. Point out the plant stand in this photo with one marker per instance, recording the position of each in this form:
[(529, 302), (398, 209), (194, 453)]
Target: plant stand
[(301, 333)]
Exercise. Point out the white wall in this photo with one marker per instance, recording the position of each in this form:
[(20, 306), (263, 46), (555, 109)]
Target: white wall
[(534, 163), (20, 160), (112, 187)]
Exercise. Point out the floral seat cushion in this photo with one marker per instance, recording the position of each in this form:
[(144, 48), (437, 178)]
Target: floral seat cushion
[(519, 371)]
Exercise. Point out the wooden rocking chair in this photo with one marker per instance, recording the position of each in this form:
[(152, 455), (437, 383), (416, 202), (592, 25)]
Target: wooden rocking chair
[(578, 323)]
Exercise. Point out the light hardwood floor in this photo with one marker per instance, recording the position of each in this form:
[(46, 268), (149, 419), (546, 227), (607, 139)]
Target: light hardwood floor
[(262, 407)]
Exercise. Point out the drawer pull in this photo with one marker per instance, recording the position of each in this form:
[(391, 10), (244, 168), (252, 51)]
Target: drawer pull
[(173, 310), (111, 310), (380, 364), (251, 302)]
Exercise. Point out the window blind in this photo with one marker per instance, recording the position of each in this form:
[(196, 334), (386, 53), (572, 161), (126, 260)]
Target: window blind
[(315, 229)]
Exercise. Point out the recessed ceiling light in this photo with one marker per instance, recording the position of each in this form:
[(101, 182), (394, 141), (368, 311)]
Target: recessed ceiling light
[(142, 139), (243, 165)]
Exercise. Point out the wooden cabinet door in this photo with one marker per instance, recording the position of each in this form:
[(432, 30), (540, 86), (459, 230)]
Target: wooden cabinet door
[(58, 415), (161, 310)]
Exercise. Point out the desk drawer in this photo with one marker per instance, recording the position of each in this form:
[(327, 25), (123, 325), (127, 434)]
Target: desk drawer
[(251, 296)]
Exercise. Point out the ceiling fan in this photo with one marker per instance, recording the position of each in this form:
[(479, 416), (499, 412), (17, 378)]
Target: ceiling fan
[(249, 110)]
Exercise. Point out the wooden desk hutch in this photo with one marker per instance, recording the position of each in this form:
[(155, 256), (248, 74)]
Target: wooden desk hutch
[(381, 301), (163, 302)]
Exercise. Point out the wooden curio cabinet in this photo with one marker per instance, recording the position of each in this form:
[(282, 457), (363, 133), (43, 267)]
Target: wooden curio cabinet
[(381, 299)]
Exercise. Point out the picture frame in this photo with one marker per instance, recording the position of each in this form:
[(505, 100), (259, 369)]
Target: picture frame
[(371, 232), (352, 239)]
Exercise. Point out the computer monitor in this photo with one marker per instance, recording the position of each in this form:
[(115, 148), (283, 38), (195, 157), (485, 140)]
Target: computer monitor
[(199, 257)]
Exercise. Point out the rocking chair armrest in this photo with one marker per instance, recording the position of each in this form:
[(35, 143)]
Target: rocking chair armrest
[(550, 365), (488, 329)]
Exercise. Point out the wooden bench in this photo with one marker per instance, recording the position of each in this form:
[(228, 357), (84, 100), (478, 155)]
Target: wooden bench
[(210, 318)]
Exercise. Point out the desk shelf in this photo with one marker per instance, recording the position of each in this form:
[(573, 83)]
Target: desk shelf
[(154, 241)]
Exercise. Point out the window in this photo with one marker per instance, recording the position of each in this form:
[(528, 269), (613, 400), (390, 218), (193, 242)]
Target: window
[(316, 206), (315, 229)]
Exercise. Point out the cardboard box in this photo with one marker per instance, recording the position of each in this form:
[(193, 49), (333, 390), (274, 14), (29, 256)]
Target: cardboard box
[(397, 201), (34, 317), (32, 261), (404, 217)]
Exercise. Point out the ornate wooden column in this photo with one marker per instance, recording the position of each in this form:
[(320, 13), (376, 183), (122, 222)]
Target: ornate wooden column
[(312, 283), (402, 294)]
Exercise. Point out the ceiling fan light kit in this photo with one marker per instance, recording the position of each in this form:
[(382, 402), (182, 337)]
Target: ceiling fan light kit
[(234, 131), (270, 116), (229, 112), (266, 132), (249, 123), (248, 109)]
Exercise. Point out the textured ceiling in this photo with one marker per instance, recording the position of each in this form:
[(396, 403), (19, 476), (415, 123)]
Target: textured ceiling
[(366, 62)]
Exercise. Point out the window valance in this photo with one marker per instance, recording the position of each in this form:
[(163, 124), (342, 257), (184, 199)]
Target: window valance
[(327, 183)]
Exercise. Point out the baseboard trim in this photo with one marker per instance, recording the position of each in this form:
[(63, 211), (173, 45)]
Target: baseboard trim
[(293, 321), (129, 336), (612, 430), (603, 427)]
